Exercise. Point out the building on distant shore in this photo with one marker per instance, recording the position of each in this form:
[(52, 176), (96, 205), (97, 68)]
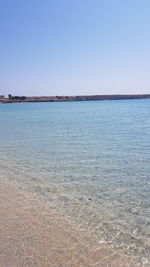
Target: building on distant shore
[(2, 96)]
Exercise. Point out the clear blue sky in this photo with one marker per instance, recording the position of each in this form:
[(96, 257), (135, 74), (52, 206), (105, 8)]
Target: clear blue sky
[(74, 47)]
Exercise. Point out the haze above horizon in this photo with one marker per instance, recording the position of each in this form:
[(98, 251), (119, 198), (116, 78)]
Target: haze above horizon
[(78, 47)]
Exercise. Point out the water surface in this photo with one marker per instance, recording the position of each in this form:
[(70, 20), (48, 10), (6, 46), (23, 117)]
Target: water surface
[(89, 160)]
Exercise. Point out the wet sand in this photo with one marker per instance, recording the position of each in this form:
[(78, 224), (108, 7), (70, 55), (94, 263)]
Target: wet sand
[(31, 234)]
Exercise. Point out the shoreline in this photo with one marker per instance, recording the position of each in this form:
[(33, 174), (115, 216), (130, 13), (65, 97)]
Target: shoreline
[(28, 99), (31, 234)]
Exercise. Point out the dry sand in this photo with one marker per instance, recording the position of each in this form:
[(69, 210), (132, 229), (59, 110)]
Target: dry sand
[(31, 234)]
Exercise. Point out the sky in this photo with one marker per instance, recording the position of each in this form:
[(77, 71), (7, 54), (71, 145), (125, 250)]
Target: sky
[(74, 47)]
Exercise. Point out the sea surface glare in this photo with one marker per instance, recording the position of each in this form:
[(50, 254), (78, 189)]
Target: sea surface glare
[(88, 160)]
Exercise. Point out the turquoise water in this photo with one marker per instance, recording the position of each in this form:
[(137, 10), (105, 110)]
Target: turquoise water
[(89, 160)]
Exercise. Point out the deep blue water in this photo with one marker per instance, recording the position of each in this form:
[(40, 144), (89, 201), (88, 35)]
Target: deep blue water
[(89, 160)]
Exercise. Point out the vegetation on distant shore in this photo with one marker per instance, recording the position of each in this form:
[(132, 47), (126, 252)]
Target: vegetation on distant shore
[(13, 99), (21, 98)]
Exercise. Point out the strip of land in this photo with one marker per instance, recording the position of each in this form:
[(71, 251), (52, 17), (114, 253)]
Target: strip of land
[(31, 234), (13, 99)]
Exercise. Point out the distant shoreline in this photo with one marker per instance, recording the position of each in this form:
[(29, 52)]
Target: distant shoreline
[(20, 99)]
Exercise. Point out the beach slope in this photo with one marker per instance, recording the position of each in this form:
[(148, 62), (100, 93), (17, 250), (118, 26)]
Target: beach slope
[(31, 234)]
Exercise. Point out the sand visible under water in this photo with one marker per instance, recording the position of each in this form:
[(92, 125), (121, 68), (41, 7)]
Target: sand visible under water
[(31, 234)]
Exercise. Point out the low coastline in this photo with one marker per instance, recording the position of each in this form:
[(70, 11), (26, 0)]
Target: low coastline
[(33, 235), (24, 99)]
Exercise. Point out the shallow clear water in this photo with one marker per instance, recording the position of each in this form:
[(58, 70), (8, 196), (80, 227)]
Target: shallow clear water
[(90, 160)]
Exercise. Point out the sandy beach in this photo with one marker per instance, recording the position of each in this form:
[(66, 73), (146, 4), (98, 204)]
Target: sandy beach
[(33, 235)]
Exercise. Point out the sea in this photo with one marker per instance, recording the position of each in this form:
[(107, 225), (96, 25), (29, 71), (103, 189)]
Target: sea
[(90, 161)]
